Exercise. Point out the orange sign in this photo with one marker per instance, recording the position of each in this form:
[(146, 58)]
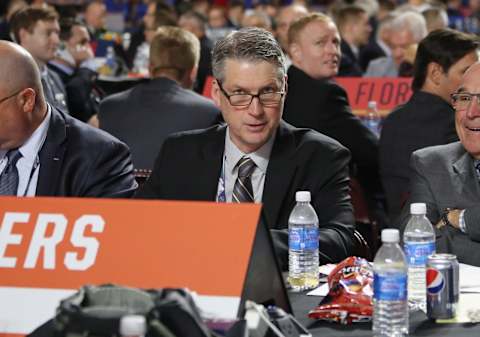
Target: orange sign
[(388, 92), (52, 245)]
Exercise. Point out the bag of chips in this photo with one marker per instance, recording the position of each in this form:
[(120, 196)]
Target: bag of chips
[(351, 292)]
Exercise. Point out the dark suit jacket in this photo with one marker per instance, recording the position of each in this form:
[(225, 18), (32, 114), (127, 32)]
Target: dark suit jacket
[(425, 120), (349, 64), (323, 106), (370, 52), (78, 160), (83, 95), (145, 115), (189, 165), (444, 177)]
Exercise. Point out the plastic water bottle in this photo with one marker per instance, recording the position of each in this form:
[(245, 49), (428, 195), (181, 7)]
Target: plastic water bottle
[(303, 244), (133, 326), (390, 307), (111, 62), (418, 243), (373, 119)]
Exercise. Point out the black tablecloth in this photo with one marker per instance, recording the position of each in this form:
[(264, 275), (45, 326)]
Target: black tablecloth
[(419, 324)]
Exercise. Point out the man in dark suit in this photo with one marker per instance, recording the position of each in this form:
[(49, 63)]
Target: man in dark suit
[(45, 152), (446, 178), (75, 65), (427, 119), (316, 102), (146, 114), (37, 30), (354, 27), (249, 88)]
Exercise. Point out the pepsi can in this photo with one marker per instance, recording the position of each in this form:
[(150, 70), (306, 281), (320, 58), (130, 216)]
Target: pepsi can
[(442, 286)]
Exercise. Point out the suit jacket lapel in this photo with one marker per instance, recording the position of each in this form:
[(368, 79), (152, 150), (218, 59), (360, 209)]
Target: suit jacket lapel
[(51, 155), (212, 160), (466, 179), (280, 171)]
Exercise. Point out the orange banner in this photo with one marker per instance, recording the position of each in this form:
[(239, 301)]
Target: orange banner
[(66, 243), (50, 245)]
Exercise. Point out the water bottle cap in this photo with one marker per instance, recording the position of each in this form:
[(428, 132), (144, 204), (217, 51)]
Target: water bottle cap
[(133, 325), (303, 196), (418, 208), (372, 104), (390, 235)]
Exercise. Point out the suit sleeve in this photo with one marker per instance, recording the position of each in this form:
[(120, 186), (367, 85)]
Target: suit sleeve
[(331, 201), (152, 188), (111, 173)]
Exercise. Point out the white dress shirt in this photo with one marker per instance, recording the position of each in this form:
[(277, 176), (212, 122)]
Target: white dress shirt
[(230, 170), (28, 165)]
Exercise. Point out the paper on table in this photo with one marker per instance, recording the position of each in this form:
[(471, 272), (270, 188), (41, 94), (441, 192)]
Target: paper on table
[(320, 291), (469, 278)]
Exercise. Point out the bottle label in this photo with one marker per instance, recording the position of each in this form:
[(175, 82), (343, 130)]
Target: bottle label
[(303, 238), (390, 287), (417, 252)]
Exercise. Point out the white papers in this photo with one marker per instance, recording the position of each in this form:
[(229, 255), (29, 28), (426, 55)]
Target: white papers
[(469, 278), (320, 291)]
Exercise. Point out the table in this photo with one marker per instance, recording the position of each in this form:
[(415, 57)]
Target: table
[(419, 324)]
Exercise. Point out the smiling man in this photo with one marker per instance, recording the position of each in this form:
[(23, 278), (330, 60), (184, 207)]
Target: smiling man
[(446, 178), (256, 157), (317, 102)]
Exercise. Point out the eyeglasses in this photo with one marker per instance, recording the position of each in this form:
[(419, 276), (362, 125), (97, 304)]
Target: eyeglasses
[(8, 97), (461, 100), (244, 100)]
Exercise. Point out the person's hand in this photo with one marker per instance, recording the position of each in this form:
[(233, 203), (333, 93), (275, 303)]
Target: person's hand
[(454, 218), (82, 53)]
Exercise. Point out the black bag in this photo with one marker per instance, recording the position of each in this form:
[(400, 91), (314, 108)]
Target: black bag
[(97, 310)]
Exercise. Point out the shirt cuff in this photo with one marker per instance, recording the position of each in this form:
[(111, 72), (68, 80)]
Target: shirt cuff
[(461, 221)]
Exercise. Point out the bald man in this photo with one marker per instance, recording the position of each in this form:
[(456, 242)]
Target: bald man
[(44, 152)]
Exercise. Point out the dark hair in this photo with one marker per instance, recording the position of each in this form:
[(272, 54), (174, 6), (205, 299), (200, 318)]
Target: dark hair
[(442, 46), (347, 14), (27, 19), (250, 44), (66, 26)]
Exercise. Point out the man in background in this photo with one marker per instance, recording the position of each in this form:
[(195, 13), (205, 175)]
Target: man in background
[(44, 152), (74, 64), (196, 23), (37, 30), (316, 102), (406, 30), (427, 119), (146, 114), (354, 27), (284, 19)]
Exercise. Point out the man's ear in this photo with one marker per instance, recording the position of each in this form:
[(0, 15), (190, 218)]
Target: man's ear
[(294, 52), (434, 73), (22, 35), (26, 99), (216, 93)]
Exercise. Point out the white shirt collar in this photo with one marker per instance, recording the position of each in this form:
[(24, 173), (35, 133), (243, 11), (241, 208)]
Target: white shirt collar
[(34, 143), (260, 157)]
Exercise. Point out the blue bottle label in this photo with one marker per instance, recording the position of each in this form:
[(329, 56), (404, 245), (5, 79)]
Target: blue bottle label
[(390, 287), (303, 238), (417, 252)]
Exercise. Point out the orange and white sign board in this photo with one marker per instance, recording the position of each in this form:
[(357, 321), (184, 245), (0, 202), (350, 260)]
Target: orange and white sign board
[(388, 92), (50, 247)]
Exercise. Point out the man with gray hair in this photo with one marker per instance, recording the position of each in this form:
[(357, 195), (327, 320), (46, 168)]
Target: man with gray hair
[(406, 30), (256, 157)]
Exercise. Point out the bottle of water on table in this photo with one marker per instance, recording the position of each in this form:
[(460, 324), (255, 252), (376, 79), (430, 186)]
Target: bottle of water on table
[(303, 244), (418, 244), (390, 307)]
